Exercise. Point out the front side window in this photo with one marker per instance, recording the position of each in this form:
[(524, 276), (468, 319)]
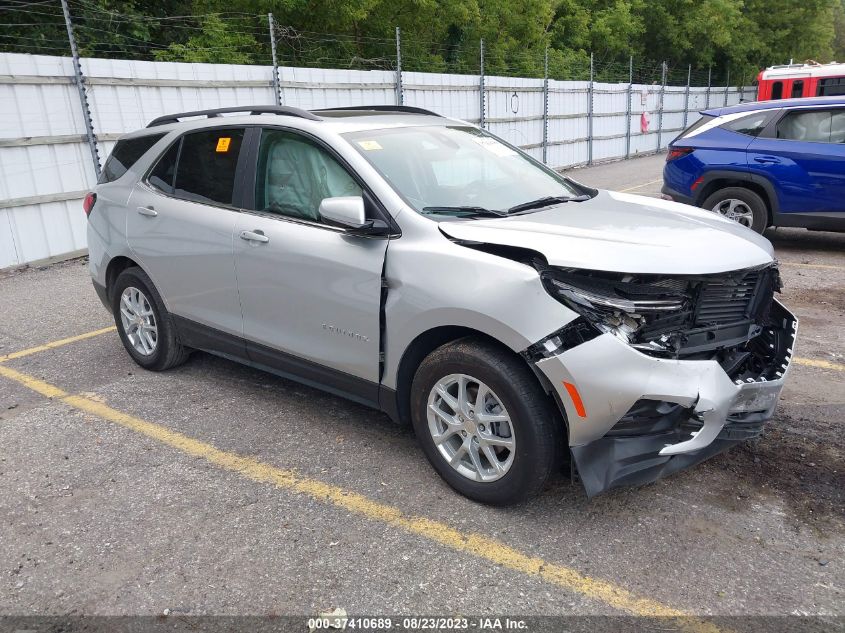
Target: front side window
[(818, 126), (777, 90), (294, 175), (443, 167), (207, 164), (797, 88), (125, 154)]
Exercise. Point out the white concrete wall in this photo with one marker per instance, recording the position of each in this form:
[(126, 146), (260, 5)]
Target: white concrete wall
[(46, 166)]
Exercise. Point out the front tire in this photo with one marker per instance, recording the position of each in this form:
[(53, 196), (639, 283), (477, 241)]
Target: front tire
[(484, 423), (144, 325), (740, 205)]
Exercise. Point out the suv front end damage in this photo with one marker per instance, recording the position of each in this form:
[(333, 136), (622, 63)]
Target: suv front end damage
[(659, 373)]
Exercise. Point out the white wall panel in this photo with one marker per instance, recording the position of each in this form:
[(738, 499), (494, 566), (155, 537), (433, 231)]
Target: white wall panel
[(125, 95)]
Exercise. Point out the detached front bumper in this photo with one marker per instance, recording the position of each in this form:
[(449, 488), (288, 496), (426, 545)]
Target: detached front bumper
[(634, 418)]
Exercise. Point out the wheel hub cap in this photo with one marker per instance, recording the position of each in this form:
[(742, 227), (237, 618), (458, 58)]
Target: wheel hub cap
[(735, 210), (471, 428)]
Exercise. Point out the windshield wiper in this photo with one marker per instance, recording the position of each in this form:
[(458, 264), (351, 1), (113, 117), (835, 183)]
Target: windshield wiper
[(467, 211), (546, 202)]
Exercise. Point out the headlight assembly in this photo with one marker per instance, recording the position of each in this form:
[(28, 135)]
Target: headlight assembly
[(622, 307)]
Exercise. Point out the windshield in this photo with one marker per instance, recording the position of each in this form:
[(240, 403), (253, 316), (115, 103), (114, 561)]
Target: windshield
[(459, 170)]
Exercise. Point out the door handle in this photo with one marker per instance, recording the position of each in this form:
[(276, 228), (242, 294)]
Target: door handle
[(254, 236), (148, 211), (767, 160)]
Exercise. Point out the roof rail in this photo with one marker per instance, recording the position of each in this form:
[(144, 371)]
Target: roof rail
[(282, 110), (383, 108)]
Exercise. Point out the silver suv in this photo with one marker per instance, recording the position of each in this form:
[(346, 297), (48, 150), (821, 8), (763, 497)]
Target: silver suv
[(424, 267)]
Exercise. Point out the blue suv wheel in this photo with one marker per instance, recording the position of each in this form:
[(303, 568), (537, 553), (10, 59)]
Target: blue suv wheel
[(741, 205)]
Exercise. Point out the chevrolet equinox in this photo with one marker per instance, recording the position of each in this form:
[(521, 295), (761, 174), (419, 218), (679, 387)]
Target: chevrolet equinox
[(422, 266)]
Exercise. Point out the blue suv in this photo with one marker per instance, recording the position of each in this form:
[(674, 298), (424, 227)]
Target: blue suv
[(767, 163)]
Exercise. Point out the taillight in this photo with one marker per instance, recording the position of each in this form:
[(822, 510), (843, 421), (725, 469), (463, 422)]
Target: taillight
[(677, 152), (89, 201)]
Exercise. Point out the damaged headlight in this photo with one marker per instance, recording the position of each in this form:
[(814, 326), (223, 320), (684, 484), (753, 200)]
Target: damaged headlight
[(592, 300), (623, 306)]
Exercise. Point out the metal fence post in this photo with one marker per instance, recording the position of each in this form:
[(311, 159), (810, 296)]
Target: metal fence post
[(481, 100), (546, 106), (686, 96), (709, 77), (630, 92), (400, 97), (79, 80), (277, 93), (590, 115), (662, 98), (727, 85)]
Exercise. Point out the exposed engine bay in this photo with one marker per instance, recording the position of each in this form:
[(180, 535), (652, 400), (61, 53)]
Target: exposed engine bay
[(725, 317)]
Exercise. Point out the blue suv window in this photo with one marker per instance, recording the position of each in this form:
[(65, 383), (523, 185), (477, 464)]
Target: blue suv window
[(815, 126), (750, 125)]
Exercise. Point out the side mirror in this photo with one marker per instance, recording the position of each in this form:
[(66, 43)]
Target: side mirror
[(347, 211)]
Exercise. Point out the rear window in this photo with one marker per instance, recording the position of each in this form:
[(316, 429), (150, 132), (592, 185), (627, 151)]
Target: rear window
[(750, 125), (125, 154), (705, 118)]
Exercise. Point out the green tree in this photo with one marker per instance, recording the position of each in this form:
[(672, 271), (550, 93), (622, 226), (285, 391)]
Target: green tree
[(216, 44)]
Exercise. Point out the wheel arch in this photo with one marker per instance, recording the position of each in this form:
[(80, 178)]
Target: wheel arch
[(716, 180), (116, 266), (399, 405)]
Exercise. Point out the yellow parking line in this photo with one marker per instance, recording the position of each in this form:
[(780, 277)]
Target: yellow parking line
[(478, 545), (645, 184), (822, 364), (59, 343), (824, 266)]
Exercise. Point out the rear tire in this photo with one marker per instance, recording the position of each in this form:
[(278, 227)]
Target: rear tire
[(498, 386), (144, 325), (741, 205)]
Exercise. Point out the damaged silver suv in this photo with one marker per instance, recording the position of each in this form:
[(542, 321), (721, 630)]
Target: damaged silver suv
[(421, 266)]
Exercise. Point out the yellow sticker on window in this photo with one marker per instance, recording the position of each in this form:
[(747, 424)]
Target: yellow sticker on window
[(370, 145), (223, 144)]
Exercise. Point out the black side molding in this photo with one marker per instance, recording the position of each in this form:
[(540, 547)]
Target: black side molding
[(214, 341)]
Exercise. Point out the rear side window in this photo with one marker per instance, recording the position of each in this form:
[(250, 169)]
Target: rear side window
[(161, 177), (705, 118), (816, 126), (750, 125), (207, 163), (797, 89), (125, 154), (777, 90)]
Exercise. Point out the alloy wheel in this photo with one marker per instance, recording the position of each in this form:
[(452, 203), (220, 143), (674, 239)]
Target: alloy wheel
[(735, 210), (471, 428), (138, 321)]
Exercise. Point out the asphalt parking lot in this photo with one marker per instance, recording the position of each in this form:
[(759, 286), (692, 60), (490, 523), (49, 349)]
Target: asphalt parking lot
[(217, 489)]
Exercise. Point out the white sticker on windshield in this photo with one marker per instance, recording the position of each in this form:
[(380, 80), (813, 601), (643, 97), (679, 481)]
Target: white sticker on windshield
[(370, 145), (494, 146)]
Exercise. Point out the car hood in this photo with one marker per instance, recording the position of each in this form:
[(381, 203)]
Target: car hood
[(625, 233)]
